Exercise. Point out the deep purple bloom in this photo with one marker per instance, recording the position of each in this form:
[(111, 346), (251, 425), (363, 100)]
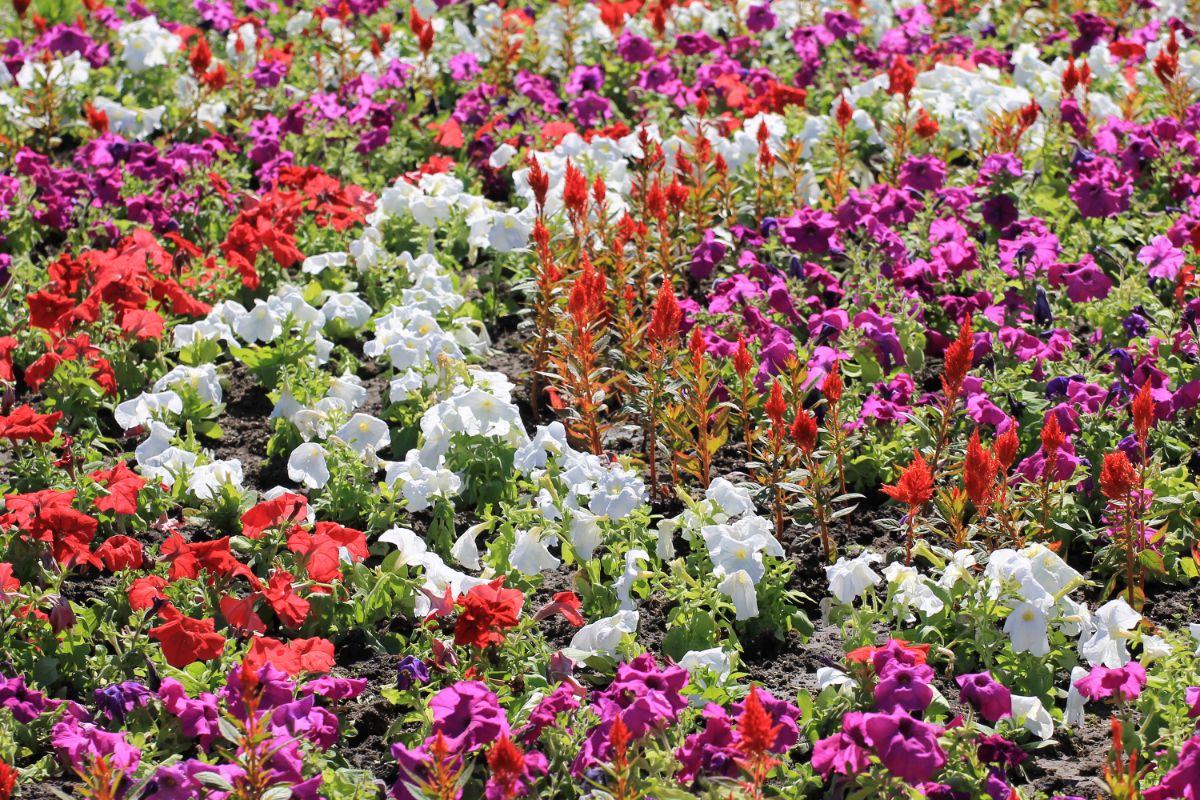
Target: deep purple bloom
[(409, 671)]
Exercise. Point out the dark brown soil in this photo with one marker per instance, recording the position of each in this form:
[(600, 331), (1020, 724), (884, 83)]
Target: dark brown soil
[(247, 428)]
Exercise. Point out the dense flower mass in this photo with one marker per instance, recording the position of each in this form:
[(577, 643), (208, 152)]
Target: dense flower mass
[(599, 399)]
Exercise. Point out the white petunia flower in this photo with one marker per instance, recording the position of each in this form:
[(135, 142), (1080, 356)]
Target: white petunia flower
[(140, 410), (203, 380), (733, 500), (307, 465), (1026, 627), (715, 659), (1033, 716), (530, 555), (1107, 644), (347, 307), (604, 635), (260, 324), (850, 578), (465, 551), (1074, 712), (741, 591), (206, 480), (585, 533), (365, 434), (146, 44), (633, 572), (412, 547)]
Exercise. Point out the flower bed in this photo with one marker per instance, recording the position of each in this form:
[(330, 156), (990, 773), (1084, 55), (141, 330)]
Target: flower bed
[(613, 400)]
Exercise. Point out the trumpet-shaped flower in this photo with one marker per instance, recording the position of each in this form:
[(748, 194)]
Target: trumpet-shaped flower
[(307, 465), (1026, 627), (1106, 646), (740, 588), (850, 578)]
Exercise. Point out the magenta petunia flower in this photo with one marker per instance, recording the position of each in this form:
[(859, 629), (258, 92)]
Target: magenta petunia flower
[(986, 695), (1122, 683)]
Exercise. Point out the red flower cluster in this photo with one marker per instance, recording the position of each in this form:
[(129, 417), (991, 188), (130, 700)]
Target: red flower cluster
[(915, 487), (487, 611)]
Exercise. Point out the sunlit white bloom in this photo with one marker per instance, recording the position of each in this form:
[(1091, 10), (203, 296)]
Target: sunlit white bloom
[(1153, 648), (409, 384), (530, 555), (604, 635), (420, 484), (958, 568), (202, 380), (665, 546), (1033, 716), (740, 588), (1072, 617), (831, 676), (206, 330), (140, 410), (585, 532), (1073, 714), (137, 123), (317, 422), (730, 555), (911, 590), (633, 572), (618, 493), (1054, 574), (439, 578), (239, 46), (412, 547), (347, 389), (1194, 630), (63, 73), (1026, 627), (307, 465), (364, 434), (465, 551), (146, 44), (1009, 571), (850, 578), (207, 480), (1107, 645), (548, 440), (168, 465), (501, 156), (510, 231), (733, 500), (153, 445), (316, 264), (258, 325), (716, 660), (347, 307)]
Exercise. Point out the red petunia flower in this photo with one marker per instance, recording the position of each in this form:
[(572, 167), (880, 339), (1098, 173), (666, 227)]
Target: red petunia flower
[(185, 640), (284, 510), (291, 608), (487, 611), (25, 423), (143, 592), (121, 486), (120, 553), (299, 655)]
